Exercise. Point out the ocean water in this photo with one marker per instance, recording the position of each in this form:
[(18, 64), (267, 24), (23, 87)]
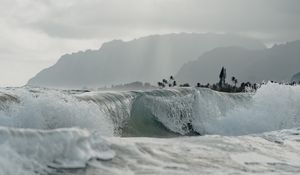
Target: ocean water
[(169, 131)]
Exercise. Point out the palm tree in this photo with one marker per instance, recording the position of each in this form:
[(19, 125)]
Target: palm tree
[(174, 83), (234, 80), (165, 81), (160, 84)]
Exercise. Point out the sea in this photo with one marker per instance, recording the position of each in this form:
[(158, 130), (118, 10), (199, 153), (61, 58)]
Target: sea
[(162, 131)]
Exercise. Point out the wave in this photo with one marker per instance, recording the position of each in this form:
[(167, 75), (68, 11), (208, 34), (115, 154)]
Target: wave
[(46, 131), (52, 109), (273, 107), (78, 151), (251, 154), (156, 113), (26, 151)]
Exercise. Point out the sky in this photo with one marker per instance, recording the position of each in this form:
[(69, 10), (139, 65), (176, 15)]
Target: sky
[(35, 33)]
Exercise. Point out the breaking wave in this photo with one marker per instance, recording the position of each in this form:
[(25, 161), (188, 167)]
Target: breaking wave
[(44, 131), (158, 113), (50, 109)]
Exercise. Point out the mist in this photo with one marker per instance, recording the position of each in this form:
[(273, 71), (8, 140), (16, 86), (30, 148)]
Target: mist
[(34, 35)]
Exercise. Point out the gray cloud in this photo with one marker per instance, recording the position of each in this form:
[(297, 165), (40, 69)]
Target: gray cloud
[(43, 30), (96, 18)]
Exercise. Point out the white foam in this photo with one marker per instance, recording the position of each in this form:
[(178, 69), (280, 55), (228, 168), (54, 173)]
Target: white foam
[(29, 151), (251, 154), (52, 109), (272, 107)]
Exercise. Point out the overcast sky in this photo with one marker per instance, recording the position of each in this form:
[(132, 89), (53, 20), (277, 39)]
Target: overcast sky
[(35, 33)]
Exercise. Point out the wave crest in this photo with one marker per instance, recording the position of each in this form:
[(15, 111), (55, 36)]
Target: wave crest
[(159, 113)]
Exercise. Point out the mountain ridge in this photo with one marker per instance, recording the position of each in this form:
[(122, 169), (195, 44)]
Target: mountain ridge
[(277, 63), (144, 59), (296, 77)]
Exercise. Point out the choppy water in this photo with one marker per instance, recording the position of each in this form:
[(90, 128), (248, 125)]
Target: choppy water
[(171, 131)]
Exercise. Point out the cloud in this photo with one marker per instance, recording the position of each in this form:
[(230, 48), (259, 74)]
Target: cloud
[(40, 31), (98, 18)]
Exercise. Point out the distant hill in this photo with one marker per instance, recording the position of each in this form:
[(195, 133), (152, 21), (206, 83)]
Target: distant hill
[(296, 77), (145, 59), (278, 63)]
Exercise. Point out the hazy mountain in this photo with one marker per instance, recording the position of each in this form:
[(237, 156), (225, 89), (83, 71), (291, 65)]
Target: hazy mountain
[(278, 63), (296, 77), (145, 59)]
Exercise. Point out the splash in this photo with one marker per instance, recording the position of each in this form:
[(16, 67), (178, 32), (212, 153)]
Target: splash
[(157, 113), (26, 151), (51, 109)]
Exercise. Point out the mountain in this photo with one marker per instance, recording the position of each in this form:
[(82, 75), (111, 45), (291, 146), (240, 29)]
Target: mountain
[(296, 77), (145, 59), (278, 63)]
